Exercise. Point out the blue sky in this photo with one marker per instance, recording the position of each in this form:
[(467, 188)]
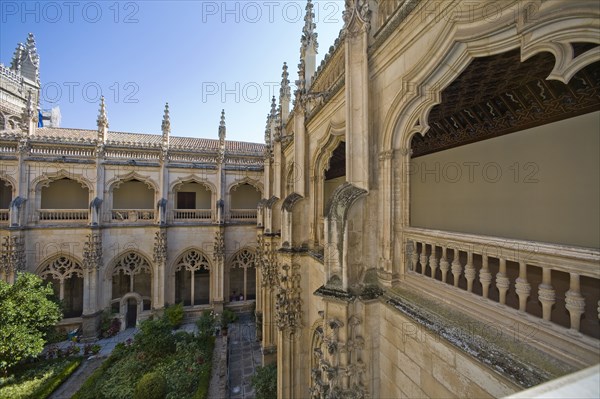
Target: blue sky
[(200, 56)]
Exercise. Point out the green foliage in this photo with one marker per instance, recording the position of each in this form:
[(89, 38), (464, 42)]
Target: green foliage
[(110, 325), (206, 324), (26, 313), (264, 382), (155, 338), (151, 386), (37, 380), (181, 359), (175, 315), (227, 317)]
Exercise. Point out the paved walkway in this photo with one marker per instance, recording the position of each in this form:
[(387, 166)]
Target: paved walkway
[(244, 357)]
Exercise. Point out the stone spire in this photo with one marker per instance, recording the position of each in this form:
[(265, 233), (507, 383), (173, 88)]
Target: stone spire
[(308, 50), (102, 122), (26, 60), (30, 116), (166, 127), (284, 94), (222, 128)]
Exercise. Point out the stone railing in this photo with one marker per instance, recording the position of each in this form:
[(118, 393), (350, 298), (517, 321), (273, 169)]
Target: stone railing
[(147, 155), (4, 216), (67, 215), (242, 215), (132, 215), (63, 151), (192, 214), (555, 283)]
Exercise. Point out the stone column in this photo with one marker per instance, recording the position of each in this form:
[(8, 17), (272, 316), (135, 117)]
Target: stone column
[(92, 263), (160, 264), (217, 274)]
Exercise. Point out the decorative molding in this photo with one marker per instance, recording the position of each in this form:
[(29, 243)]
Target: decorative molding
[(12, 254), (219, 247), (92, 252), (160, 246), (288, 302), (192, 260)]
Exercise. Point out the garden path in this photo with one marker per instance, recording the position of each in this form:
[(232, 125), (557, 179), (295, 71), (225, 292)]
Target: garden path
[(244, 357)]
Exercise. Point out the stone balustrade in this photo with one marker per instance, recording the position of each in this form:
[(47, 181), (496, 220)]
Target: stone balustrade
[(67, 215), (132, 215), (192, 214), (242, 215), (539, 279)]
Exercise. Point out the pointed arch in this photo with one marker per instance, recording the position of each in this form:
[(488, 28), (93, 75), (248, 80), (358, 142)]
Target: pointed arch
[(246, 180), (66, 275), (116, 181), (191, 275), (242, 274), (192, 178), (44, 180)]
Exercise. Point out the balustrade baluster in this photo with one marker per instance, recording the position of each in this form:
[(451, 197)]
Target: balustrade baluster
[(470, 271), (456, 266), (433, 263), (414, 257), (423, 258), (575, 302), (444, 265), (485, 277), (502, 281), (546, 294), (522, 287)]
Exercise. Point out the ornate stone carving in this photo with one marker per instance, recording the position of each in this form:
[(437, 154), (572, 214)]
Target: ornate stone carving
[(288, 304), (339, 372), (219, 247), (92, 251), (12, 256), (268, 263), (160, 246), (131, 264), (61, 269), (192, 260)]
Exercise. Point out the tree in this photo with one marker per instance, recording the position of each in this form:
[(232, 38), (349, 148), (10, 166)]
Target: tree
[(26, 312), (264, 381)]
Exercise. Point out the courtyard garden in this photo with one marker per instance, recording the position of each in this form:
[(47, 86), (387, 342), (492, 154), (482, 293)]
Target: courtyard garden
[(157, 363)]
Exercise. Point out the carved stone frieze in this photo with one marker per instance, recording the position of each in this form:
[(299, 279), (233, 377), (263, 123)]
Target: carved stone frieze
[(160, 246), (219, 247), (339, 370), (92, 252), (288, 303), (12, 255)]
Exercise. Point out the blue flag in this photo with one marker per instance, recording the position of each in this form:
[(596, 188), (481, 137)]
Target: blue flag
[(40, 121)]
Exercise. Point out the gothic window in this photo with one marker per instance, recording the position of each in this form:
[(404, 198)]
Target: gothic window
[(132, 273), (242, 276), (192, 278), (5, 195), (66, 276)]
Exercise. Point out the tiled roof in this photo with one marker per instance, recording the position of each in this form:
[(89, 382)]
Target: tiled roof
[(148, 140)]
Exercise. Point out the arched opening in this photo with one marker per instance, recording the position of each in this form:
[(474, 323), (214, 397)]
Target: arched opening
[(242, 276), (64, 199), (131, 274), (5, 199), (511, 154), (133, 201), (193, 201), (192, 278), (66, 276), (335, 174), (244, 200)]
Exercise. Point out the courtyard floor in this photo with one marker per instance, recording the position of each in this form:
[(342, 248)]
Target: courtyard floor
[(244, 357)]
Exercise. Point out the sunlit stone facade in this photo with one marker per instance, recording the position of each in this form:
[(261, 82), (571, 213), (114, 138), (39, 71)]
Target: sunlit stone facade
[(424, 218)]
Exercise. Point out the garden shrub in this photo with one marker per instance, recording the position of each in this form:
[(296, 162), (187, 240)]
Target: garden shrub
[(264, 382), (155, 338), (206, 324), (151, 386), (175, 315)]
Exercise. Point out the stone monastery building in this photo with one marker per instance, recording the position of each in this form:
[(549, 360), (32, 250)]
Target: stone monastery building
[(421, 221)]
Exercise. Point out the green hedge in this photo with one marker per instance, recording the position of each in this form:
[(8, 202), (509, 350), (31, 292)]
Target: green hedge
[(50, 386)]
